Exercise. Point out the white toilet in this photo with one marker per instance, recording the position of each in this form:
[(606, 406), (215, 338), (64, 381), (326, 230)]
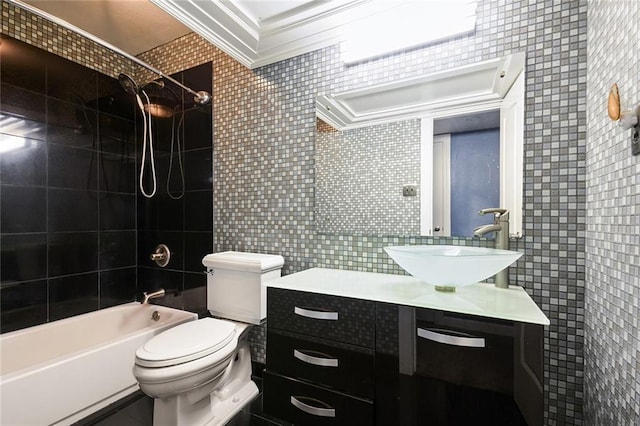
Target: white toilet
[(200, 372)]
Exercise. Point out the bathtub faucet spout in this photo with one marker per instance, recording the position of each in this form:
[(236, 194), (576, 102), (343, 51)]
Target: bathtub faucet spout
[(154, 295)]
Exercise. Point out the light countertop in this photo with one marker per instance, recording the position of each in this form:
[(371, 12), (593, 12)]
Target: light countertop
[(480, 299)]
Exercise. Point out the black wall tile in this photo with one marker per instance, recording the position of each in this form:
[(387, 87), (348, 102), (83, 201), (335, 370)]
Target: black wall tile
[(194, 280), (117, 211), (72, 253), (196, 246), (23, 305), (72, 168), (199, 77), (116, 134), (198, 169), (26, 165), (72, 295), (72, 124), (117, 173), (117, 286), (70, 81), (23, 257), (198, 128), (147, 213), (170, 213), (22, 65), (163, 128), (198, 211), (152, 279), (117, 249), (72, 210), (24, 209), (23, 104)]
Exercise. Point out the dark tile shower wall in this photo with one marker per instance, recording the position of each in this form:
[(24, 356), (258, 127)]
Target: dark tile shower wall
[(180, 218), (67, 194), (73, 228)]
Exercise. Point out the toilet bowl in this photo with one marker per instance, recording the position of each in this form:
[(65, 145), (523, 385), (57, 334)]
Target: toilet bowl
[(188, 368), (199, 373)]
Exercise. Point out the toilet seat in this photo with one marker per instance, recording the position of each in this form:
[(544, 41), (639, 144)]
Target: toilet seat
[(185, 343)]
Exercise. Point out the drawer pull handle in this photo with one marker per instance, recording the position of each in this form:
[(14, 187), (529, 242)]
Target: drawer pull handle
[(310, 409), (310, 359), (310, 313), (447, 339)]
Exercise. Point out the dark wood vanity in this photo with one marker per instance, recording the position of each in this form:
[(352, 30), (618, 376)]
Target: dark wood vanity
[(337, 360)]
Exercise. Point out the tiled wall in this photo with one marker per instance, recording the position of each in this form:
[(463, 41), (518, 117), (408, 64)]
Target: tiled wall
[(68, 207), (74, 235), (180, 216), (359, 178), (264, 130), (612, 292), (264, 136), (264, 147)]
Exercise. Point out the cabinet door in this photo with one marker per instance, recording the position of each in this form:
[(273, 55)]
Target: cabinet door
[(339, 366), (528, 372), (329, 317), (306, 404), (474, 359)]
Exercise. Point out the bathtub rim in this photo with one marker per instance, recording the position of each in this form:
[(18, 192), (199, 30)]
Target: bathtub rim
[(39, 366)]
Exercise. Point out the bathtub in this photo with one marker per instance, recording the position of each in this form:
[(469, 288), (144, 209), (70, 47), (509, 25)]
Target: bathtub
[(60, 372)]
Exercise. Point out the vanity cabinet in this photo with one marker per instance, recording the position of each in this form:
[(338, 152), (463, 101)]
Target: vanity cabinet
[(472, 370), (356, 348), (320, 359)]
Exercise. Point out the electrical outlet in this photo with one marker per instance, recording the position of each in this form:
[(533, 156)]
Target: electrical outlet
[(409, 190), (635, 140)]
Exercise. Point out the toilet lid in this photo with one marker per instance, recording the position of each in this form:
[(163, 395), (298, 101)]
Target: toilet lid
[(186, 342)]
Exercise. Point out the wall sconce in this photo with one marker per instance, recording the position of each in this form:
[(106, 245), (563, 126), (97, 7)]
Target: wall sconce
[(627, 119)]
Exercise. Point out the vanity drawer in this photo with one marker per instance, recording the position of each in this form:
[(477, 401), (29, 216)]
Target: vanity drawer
[(305, 404), (336, 365), (461, 357), (330, 317)]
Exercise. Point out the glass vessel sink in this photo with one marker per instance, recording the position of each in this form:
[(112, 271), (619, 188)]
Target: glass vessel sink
[(448, 267)]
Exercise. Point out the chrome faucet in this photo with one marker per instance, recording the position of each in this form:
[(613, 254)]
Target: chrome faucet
[(500, 226), (154, 295)]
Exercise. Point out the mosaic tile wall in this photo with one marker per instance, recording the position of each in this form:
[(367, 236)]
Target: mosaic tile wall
[(39, 32), (612, 291), (264, 172), (264, 133), (359, 178)]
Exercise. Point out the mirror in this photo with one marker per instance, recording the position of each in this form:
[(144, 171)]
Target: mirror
[(422, 156)]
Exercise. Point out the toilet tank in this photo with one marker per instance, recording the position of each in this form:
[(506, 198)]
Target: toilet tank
[(235, 284)]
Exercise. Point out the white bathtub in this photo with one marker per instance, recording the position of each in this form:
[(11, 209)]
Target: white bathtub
[(60, 372)]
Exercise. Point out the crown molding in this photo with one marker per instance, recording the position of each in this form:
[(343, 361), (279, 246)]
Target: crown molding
[(482, 83), (309, 26)]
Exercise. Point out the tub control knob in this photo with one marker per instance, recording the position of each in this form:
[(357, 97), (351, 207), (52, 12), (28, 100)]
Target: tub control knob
[(161, 255)]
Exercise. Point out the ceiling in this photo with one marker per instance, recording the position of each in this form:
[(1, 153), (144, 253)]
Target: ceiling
[(254, 32), (131, 25)]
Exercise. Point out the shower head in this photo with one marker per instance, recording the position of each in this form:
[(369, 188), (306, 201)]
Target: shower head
[(128, 84)]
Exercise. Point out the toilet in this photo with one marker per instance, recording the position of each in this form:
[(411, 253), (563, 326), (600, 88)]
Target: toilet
[(199, 373)]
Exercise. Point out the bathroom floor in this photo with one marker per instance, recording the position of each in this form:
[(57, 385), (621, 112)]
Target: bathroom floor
[(137, 410)]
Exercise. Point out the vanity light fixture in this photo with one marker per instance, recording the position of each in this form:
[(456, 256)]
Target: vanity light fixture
[(627, 119)]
